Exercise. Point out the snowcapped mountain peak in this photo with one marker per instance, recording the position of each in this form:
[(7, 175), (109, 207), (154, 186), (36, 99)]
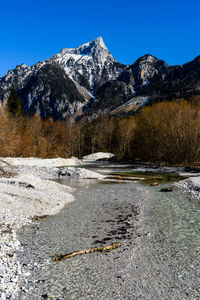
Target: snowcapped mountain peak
[(96, 43), (88, 63), (99, 41), (67, 80), (95, 49)]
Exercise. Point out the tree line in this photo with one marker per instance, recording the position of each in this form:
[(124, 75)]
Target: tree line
[(165, 132)]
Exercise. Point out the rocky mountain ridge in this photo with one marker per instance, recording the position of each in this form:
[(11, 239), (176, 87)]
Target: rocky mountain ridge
[(90, 64), (87, 80), (63, 84)]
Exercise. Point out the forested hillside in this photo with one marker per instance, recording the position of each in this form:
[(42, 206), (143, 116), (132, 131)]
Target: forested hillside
[(164, 132)]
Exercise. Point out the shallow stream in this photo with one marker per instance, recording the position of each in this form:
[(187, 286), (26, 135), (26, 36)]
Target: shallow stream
[(159, 232)]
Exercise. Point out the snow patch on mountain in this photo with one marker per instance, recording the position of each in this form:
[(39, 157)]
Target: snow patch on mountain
[(89, 60), (88, 66)]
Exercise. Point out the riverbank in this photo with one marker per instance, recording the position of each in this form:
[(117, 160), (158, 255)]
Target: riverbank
[(26, 193), (27, 189)]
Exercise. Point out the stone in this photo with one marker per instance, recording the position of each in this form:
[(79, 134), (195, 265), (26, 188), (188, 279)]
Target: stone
[(2, 287)]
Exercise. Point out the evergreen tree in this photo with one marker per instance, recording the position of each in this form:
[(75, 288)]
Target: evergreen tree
[(14, 104)]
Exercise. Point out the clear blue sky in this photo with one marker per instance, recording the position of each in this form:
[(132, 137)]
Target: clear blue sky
[(34, 30)]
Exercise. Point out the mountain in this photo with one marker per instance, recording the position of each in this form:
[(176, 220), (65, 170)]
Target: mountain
[(176, 82), (61, 85), (87, 80), (128, 84), (45, 89), (90, 65), (146, 81)]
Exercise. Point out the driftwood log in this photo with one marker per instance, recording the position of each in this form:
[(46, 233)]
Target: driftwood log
[(92, 250), (154, 184)]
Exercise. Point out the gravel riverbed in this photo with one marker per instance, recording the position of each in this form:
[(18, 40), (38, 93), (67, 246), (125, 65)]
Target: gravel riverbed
[(159, 257), (11, 271), (26, 194)]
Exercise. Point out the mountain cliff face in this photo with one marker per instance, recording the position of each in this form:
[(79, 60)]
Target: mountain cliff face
[(147, 81), (44, 89), (176, 82), (50, 93), (87, 80), (90, 65), (129, 83), (63, 84)]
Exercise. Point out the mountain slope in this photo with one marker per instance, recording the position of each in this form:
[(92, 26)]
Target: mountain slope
[(128, 84), (90, 65), (51, 93), (176, 82), (61, 85), (87, 80), (148, 80)]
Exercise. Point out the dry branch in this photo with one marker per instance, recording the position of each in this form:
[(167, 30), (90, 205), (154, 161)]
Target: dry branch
[(6, 169), (92, 250)]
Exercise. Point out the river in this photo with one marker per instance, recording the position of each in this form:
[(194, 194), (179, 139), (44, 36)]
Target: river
[(159, 232)]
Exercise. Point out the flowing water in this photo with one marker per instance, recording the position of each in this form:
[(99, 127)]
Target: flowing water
[(159, 232)]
